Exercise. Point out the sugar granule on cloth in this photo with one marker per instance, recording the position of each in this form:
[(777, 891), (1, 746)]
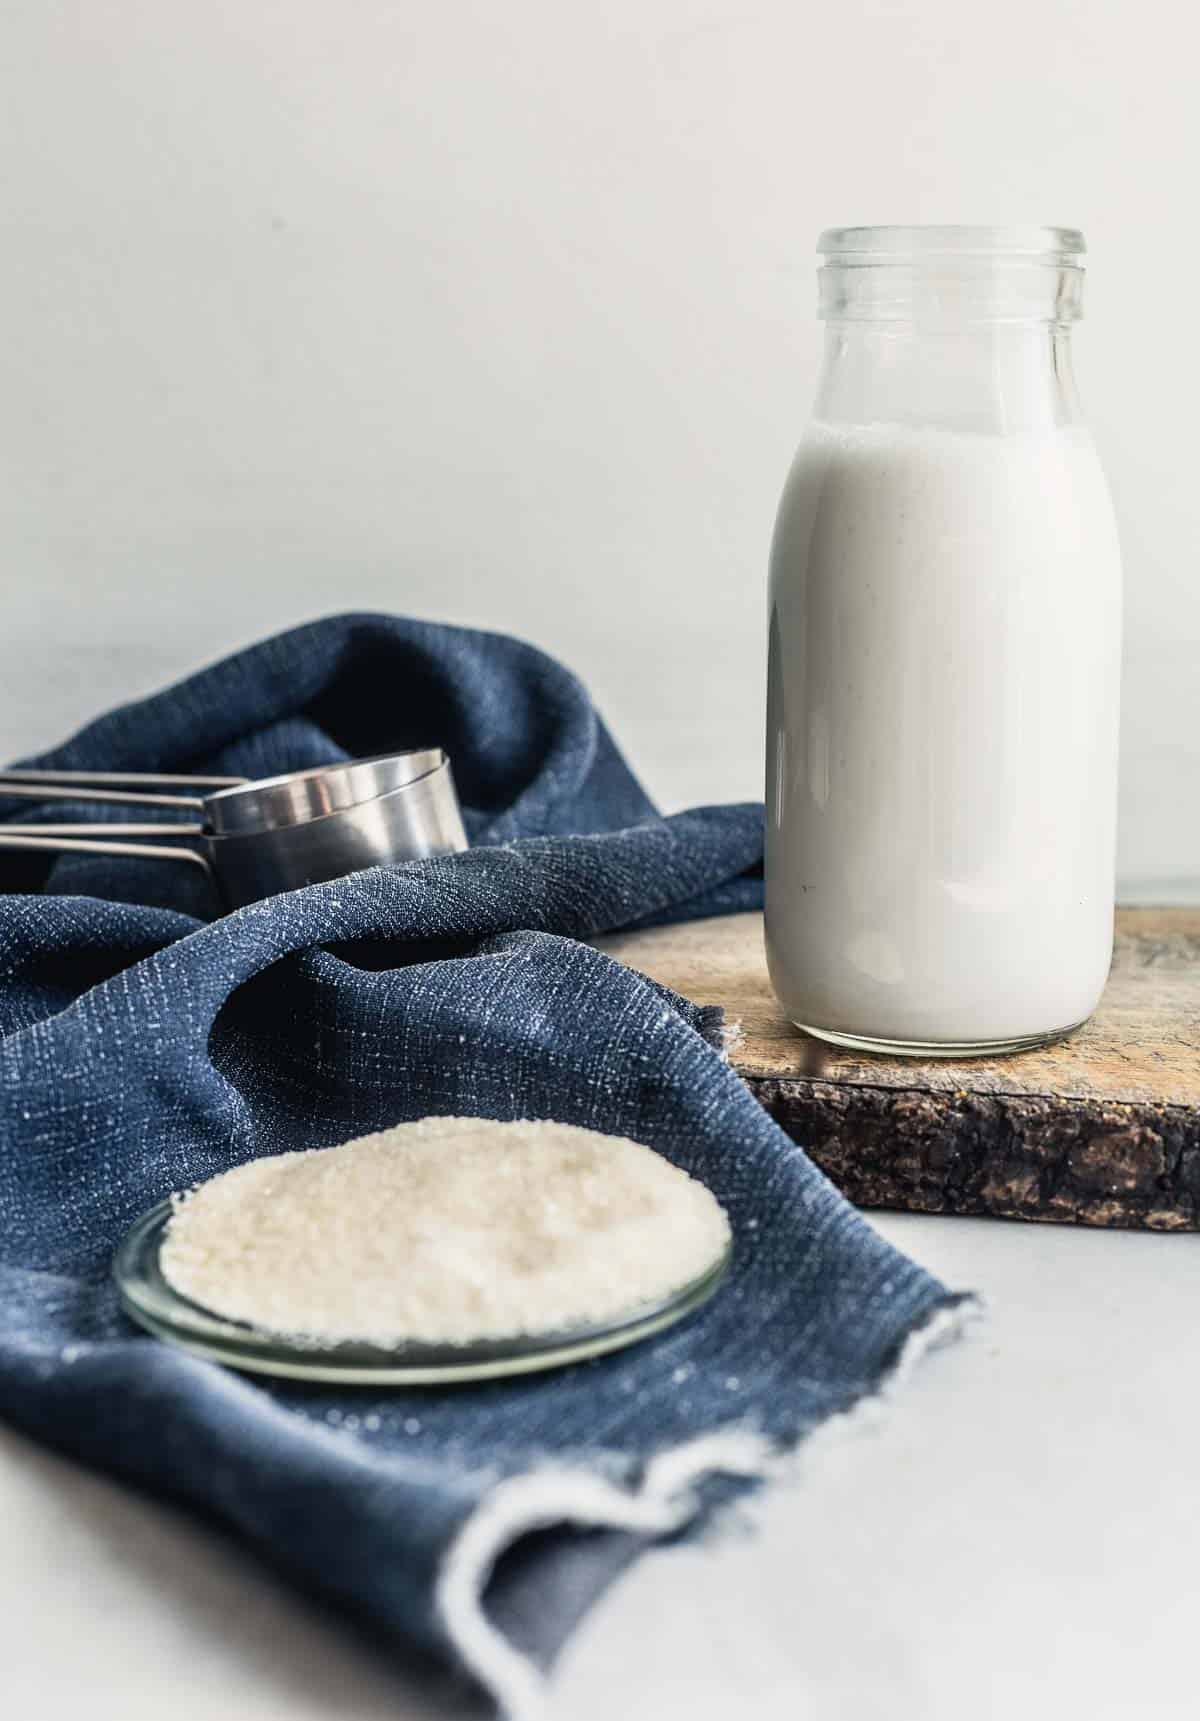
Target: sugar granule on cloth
[(448, 1230)]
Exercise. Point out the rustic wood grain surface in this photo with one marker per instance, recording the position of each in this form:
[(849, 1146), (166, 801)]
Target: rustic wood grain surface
[(1102, 1128)]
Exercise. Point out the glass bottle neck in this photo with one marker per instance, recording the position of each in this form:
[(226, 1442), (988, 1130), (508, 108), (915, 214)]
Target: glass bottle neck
[(996, 378)]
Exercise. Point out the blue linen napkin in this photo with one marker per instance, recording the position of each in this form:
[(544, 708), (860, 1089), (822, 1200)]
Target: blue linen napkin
[(148, 1042)]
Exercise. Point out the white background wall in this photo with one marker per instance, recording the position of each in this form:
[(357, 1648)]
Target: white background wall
[(503, 312)]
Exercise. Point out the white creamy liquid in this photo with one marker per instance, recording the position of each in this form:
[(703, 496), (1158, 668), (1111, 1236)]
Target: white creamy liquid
[(942, 733)]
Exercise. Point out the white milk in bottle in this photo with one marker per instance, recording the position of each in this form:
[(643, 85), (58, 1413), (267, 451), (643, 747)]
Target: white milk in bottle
[(944, 657)]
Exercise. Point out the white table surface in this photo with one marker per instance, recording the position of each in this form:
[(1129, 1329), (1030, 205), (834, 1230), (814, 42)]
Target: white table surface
[(1015, 1536)]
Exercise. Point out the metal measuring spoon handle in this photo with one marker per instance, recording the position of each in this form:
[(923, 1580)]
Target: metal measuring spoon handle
[(110, 787), (69, 839)]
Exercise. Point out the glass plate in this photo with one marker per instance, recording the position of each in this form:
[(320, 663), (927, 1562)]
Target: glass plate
[(148, 1298)]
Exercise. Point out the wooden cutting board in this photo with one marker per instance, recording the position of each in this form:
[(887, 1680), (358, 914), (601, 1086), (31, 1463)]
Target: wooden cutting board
[(1100, 1129)]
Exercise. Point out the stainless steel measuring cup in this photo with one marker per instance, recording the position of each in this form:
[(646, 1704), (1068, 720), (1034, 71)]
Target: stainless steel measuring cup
[(257, 838)]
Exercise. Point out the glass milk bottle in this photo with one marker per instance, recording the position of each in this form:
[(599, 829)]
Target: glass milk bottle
[(944, 656)]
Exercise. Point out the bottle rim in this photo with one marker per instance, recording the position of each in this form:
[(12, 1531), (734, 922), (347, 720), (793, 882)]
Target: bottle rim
[(862, 245)]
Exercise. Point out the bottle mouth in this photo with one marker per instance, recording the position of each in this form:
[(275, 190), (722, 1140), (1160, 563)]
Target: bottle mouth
[(894, 244), (951, 275)]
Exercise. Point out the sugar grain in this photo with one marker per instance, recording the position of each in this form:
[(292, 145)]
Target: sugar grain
[(444, 1231)]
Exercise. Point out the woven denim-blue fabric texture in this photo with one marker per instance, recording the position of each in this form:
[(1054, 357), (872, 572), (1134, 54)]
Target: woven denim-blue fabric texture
[(148, 1042)]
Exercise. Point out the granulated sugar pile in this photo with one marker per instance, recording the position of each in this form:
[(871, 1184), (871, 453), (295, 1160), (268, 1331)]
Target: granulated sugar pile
[(444, 1231)]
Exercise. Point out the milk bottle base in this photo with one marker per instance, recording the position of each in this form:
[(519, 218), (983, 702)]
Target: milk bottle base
[(937, 1048)]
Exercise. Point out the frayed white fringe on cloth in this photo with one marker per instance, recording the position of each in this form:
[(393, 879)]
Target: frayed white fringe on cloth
[(732, 1035), (665, 1501)]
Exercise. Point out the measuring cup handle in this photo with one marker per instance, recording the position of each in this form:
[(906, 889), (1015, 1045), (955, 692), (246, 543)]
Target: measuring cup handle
[(96, 846), (48, 787)]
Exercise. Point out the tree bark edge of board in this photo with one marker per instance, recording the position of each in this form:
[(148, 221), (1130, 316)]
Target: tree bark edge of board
[(1004, 1156)]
